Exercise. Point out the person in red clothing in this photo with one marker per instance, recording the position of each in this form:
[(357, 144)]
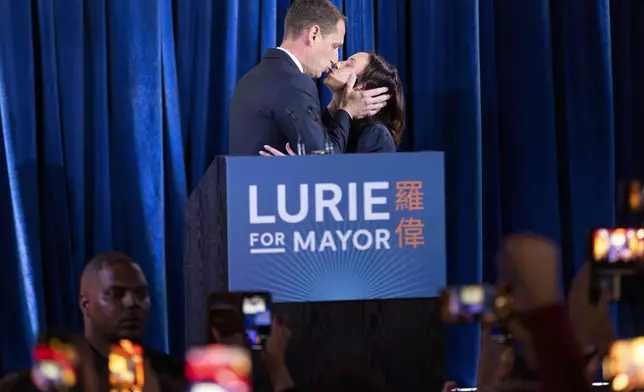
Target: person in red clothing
[(591, 323), (528, 264), (550, 337)]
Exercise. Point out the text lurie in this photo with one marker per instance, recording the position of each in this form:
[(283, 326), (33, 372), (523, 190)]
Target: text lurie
[(318, 199)]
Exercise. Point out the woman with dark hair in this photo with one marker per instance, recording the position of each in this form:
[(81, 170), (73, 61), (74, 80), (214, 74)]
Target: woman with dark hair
[(379, 133)]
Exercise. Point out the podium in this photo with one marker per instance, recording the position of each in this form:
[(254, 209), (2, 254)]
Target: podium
[(351, 246)]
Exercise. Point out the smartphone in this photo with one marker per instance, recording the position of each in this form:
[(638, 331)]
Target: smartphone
[(55, 365), (468, 303), (125, 364), (219, 368), (616, 247), (624, 364), (256, 311)]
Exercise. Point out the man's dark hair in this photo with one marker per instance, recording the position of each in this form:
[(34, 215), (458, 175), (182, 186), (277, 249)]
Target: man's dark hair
[(380, 73), (303, 14)]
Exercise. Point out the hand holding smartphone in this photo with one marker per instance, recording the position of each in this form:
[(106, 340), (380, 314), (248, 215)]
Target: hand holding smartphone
[(471, 303), (616, 258), (247, 314), (618, 247)]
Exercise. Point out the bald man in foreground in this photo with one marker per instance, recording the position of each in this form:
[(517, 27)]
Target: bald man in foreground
[(115, 304)]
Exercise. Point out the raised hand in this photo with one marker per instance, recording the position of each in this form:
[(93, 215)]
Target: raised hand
[(363, 103), (529, 264), (273, 152)]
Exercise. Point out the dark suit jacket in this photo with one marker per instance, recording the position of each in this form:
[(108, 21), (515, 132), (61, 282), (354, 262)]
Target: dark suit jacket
[(367, 136), (261, 103), (374, 137)]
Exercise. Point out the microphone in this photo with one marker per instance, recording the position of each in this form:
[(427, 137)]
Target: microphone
[(328, 146), (301, 147)]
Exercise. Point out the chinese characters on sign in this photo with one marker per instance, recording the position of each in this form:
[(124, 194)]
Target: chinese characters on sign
[(409, 198), (410, 232)]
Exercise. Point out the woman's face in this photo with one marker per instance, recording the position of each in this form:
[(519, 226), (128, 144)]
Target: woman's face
[(356, 64)]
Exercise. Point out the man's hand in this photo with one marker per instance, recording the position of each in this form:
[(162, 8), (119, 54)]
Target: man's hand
[(360, 104), (528, 263), (273, 152)]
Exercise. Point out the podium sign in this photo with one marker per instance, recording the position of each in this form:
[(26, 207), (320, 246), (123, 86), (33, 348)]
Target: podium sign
[(333, 228)]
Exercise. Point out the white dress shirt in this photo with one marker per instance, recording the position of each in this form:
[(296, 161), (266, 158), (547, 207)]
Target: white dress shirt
[(292, 56)]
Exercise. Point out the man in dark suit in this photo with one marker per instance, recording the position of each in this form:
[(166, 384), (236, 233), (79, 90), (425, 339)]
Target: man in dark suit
[(277, 101)]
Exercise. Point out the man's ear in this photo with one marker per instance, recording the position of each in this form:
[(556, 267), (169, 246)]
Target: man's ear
[(83, 303), (314, 33)]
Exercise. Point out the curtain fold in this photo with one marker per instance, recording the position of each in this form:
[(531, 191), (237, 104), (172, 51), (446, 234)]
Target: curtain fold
[(446, 115), (111, 111), (22, 281), (175, 181)]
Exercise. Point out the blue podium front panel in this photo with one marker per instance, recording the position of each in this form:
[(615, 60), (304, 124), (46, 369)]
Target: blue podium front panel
[(341, 227)]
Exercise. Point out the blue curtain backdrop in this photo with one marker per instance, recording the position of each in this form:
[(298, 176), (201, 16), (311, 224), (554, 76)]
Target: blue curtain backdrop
[(110, 111)]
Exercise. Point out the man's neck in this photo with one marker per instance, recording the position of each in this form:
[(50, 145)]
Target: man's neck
[(295, 49), (98, 343)]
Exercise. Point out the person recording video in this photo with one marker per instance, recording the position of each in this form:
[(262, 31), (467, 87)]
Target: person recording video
[(544, 352)]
